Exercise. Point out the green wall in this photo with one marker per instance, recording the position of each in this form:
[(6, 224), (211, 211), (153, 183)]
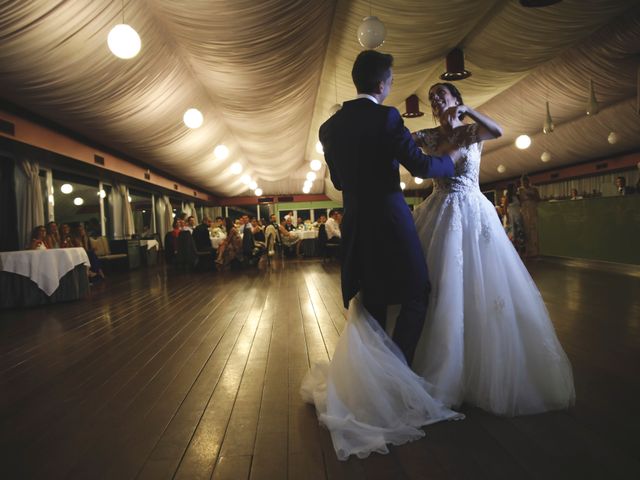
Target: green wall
[(606, 228)]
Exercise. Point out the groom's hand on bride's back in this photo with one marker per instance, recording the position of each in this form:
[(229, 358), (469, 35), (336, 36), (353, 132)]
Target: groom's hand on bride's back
[(455, 155)]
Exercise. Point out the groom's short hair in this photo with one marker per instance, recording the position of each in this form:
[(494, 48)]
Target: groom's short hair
[(369, 69)]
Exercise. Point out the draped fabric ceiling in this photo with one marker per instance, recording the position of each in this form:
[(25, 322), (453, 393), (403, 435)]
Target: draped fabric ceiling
[(266, 73)]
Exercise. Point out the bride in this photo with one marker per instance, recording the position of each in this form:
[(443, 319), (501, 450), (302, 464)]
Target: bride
[(487, 340)]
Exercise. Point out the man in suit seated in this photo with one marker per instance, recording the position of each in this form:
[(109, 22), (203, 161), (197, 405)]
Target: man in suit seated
[(621, 185)]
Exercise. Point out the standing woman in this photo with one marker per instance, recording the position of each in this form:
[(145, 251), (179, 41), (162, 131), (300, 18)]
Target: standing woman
[(529, 198), (488, 339)]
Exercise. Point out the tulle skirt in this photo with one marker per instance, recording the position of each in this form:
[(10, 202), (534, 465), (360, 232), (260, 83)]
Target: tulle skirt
[(488, 339), (367, 396)]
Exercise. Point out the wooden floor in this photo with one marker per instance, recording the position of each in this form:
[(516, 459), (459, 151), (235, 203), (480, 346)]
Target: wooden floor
[(164, 375)]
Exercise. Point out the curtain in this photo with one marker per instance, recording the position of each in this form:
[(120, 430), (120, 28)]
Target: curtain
[(30, 207), (8, 208), (121, 213), (128, 227), (161, 223), (193, 212), (115, 204)]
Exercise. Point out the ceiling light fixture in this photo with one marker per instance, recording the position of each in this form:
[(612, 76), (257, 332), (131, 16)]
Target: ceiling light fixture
[(258, 192), (319, 148), (123, 41), (548, 122), (455, 66), (66, 188), (412, 107), (371, 32), (592, 105), (315, 165), (311, 176), (523, 142), (221, 152), (78, 201), (236, 168), (418, 180), (193, 118)]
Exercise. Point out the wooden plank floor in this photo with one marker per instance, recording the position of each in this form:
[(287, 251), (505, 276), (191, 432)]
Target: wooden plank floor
[(171, 375)]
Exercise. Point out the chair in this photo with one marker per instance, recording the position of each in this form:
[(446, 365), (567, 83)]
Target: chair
[(251, 253), (102, 249), (187, 255), (325, 248), (273, 243), (170, 249)]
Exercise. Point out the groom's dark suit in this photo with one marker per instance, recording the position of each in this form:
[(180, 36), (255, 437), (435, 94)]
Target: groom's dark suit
[(364, 143)]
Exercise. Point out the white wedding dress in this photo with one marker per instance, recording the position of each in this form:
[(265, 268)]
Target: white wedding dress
[(367, 396), (487, 339)]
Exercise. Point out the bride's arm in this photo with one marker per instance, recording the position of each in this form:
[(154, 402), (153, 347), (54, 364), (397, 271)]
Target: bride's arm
[(487, 128)]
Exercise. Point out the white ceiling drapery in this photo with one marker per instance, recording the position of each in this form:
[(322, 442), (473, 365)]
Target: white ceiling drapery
[(265, 75)]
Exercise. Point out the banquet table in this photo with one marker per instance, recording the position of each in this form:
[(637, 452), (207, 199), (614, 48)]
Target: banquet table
[(309, 246), (38, 277)]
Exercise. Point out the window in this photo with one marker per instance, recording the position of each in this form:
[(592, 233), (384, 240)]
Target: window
[(142, 211), (76, 199)]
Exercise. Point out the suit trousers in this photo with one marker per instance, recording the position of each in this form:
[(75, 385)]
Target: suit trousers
[(408, 325)]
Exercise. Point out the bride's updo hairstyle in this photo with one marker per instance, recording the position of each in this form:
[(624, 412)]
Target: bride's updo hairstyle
[(453, 90)]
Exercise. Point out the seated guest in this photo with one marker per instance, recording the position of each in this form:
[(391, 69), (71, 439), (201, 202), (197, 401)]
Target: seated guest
[(190, 223), (79, 238), (300, 224), (258, 231), (333, 227), (621, 185), (38, 238), (53, 237), (65, 236), (251, 250), (288, 238), (171, 240), (220, 223), (288, 223), (574, 194), (201, 235), (231, 247)]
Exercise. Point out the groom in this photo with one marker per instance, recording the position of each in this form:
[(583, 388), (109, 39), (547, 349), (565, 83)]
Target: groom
[(364, 143)]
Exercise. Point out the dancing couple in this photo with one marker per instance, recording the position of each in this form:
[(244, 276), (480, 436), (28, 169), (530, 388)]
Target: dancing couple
[(487, 338)]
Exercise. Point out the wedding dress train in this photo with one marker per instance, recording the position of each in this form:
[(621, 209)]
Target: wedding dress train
[(367, 396)]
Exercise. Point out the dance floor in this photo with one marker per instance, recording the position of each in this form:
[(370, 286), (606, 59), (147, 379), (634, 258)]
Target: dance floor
[(173, 375)]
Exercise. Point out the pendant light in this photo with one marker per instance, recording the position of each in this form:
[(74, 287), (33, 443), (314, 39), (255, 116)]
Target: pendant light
[(123, 41)]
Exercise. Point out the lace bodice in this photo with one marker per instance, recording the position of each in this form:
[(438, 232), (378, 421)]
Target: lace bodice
[(467, 168)]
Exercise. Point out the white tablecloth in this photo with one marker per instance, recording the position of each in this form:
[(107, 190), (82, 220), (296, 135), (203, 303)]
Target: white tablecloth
[(149, 243), (44, 267), (305, 234)]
